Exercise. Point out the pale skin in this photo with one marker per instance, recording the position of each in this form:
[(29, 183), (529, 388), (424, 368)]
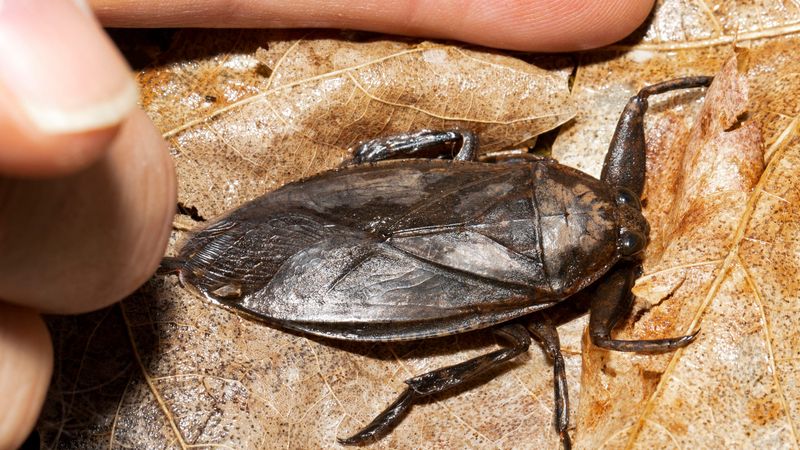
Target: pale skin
[(87, 188)]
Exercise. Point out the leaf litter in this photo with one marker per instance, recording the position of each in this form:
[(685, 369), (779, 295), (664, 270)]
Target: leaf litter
[(168, 370)]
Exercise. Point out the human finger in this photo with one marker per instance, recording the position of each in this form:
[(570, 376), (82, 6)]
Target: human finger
[(529, 25), (80, 242), (64, 88), (26, 362)]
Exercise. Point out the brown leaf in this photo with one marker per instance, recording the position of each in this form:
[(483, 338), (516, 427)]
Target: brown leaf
[(241, 124), (246, 111), (725, 260)]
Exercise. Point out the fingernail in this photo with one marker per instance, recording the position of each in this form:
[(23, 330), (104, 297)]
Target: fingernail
[(84, 6), (61, 68)]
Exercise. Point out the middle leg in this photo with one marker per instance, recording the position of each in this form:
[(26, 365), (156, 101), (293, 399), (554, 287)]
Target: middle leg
[(411, 144)]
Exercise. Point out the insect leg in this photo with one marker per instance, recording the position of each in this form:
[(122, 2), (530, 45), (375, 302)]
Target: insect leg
[(612, 300), (625, 161), (441, 380), (411, 144), (545, 332)]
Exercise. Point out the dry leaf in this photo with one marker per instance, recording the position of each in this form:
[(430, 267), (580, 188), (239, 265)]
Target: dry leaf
[(241, 124), (247, 111), (724, 259), (723, 256), (705, 179)]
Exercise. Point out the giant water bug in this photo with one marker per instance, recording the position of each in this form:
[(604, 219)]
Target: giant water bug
[(389, 249)]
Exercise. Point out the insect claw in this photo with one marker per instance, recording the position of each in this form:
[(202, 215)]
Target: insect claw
[(686, 340), (355, 439), (647, 346), (671, 344), (368, 433), (359, 438), (385, 420), (566, 443)]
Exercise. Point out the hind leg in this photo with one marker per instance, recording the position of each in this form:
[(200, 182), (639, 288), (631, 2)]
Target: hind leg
[(545, 332), (441, 380)]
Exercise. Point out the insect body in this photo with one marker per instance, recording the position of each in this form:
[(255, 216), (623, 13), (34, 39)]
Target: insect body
[(416, 248)]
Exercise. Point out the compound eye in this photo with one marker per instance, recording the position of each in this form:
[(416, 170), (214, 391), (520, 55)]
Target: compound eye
[(627, 197), (631, 243)]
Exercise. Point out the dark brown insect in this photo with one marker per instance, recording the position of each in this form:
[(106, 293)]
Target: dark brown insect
[(418, 248)]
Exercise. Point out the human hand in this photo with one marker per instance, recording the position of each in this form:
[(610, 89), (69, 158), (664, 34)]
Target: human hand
[(87, 189)]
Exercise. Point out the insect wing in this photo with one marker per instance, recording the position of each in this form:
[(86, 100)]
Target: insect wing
[(353, 286), (239, 256), (427, 247)]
